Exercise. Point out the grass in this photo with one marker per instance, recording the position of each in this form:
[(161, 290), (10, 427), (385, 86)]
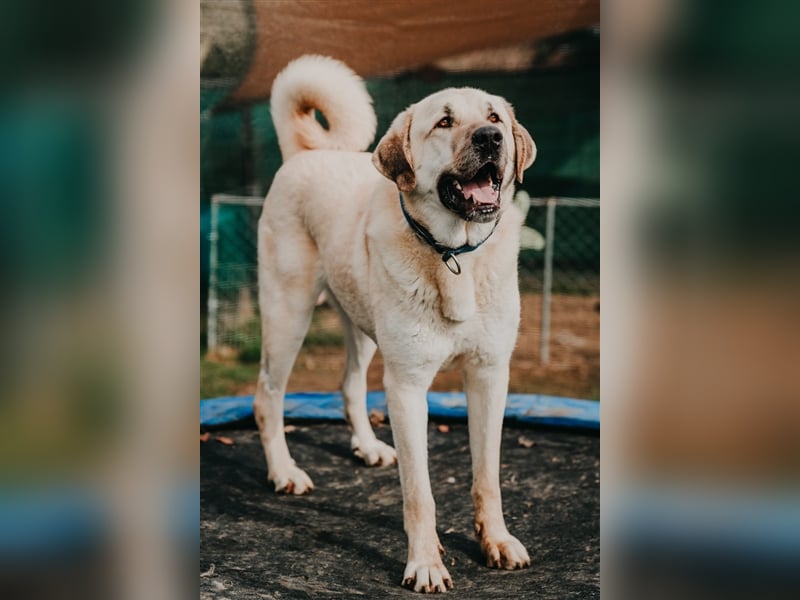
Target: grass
[(323, 338), (225, 379), (229, 377)]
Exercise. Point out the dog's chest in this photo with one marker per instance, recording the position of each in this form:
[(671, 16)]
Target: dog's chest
[(425, 313), (464, 314), (457, 295)]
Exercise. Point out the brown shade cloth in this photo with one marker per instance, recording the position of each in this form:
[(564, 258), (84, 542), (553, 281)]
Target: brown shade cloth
[(384, 37)]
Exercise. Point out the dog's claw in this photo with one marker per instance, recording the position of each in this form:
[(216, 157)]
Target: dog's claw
[(427, 579), (295, 481), (377, 454), (507, 554)]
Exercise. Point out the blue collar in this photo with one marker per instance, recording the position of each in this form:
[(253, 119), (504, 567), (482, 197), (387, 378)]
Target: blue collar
[(448, 254)]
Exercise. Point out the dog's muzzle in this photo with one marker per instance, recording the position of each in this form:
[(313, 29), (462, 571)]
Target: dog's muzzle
[(473, 193), (488, 141)]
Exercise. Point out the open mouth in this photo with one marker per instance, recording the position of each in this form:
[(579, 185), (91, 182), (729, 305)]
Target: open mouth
[(474, 199)]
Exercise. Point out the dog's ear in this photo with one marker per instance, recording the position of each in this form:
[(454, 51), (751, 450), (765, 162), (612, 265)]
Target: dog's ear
[(523, 142), (392, 156)]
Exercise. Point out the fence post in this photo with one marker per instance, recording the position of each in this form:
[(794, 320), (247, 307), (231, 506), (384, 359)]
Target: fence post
[(544, 349), (213, 301)]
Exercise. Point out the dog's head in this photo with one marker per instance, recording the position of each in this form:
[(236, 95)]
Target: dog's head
[(462, 145)]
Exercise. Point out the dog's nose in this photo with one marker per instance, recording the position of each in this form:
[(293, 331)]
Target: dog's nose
[(487, 138)]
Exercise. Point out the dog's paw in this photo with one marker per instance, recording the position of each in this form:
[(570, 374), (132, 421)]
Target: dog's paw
[(427, 578), (376, 454), (508, 553), (292, 481)]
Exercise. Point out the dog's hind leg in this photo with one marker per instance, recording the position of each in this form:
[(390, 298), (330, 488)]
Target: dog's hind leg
[(289, 282), (360, 350)]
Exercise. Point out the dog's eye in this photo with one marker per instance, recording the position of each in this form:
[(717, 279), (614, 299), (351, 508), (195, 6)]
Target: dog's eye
[(445, 122), (493, 118)]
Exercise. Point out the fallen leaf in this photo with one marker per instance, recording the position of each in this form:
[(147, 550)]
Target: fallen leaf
[(449, 531), (290, 428), (204, 437), (210, 573), (377, 417), (443, 428), (525, 442), (224, 440)]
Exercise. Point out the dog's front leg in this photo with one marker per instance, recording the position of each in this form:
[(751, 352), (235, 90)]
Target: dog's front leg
[(486, 388), (408, 411)]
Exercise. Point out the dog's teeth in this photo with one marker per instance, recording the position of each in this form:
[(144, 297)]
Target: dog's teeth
[(457, 185)]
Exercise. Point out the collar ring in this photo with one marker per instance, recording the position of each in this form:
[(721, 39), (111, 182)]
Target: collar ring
[(451, 262)]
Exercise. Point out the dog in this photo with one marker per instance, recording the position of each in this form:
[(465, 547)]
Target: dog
[(416, 246)]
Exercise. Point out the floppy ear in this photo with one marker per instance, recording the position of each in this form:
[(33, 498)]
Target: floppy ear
[(392, 155), (523, 142)]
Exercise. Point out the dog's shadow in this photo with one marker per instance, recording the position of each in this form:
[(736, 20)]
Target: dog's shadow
[(465, 545)]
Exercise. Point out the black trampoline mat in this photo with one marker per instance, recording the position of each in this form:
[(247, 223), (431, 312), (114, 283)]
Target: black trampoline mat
[(346, 539)]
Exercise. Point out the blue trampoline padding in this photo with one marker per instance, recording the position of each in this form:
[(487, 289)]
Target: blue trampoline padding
[(526, 408)]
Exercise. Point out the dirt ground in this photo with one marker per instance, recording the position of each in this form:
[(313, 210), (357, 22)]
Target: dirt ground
[(346, 540), (573, 370)]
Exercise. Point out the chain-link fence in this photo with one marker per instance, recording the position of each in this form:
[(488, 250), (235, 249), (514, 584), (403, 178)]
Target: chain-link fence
[(233, 322), (569, 263), (559, 280), (575, 251)]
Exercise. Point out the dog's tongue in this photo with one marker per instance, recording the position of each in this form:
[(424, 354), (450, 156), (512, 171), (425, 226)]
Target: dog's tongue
[(481, 192)]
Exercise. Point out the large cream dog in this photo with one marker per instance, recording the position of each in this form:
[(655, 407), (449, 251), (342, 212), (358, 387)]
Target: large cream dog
[(416, 244)]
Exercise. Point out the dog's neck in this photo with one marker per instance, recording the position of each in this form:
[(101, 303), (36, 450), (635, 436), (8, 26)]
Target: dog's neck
[(448, 228), (448, 253)]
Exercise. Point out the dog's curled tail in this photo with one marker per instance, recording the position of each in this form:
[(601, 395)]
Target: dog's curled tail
[(329, 86)]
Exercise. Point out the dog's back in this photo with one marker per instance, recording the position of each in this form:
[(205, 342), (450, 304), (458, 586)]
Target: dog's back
[(326, 85), (314, 215)]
